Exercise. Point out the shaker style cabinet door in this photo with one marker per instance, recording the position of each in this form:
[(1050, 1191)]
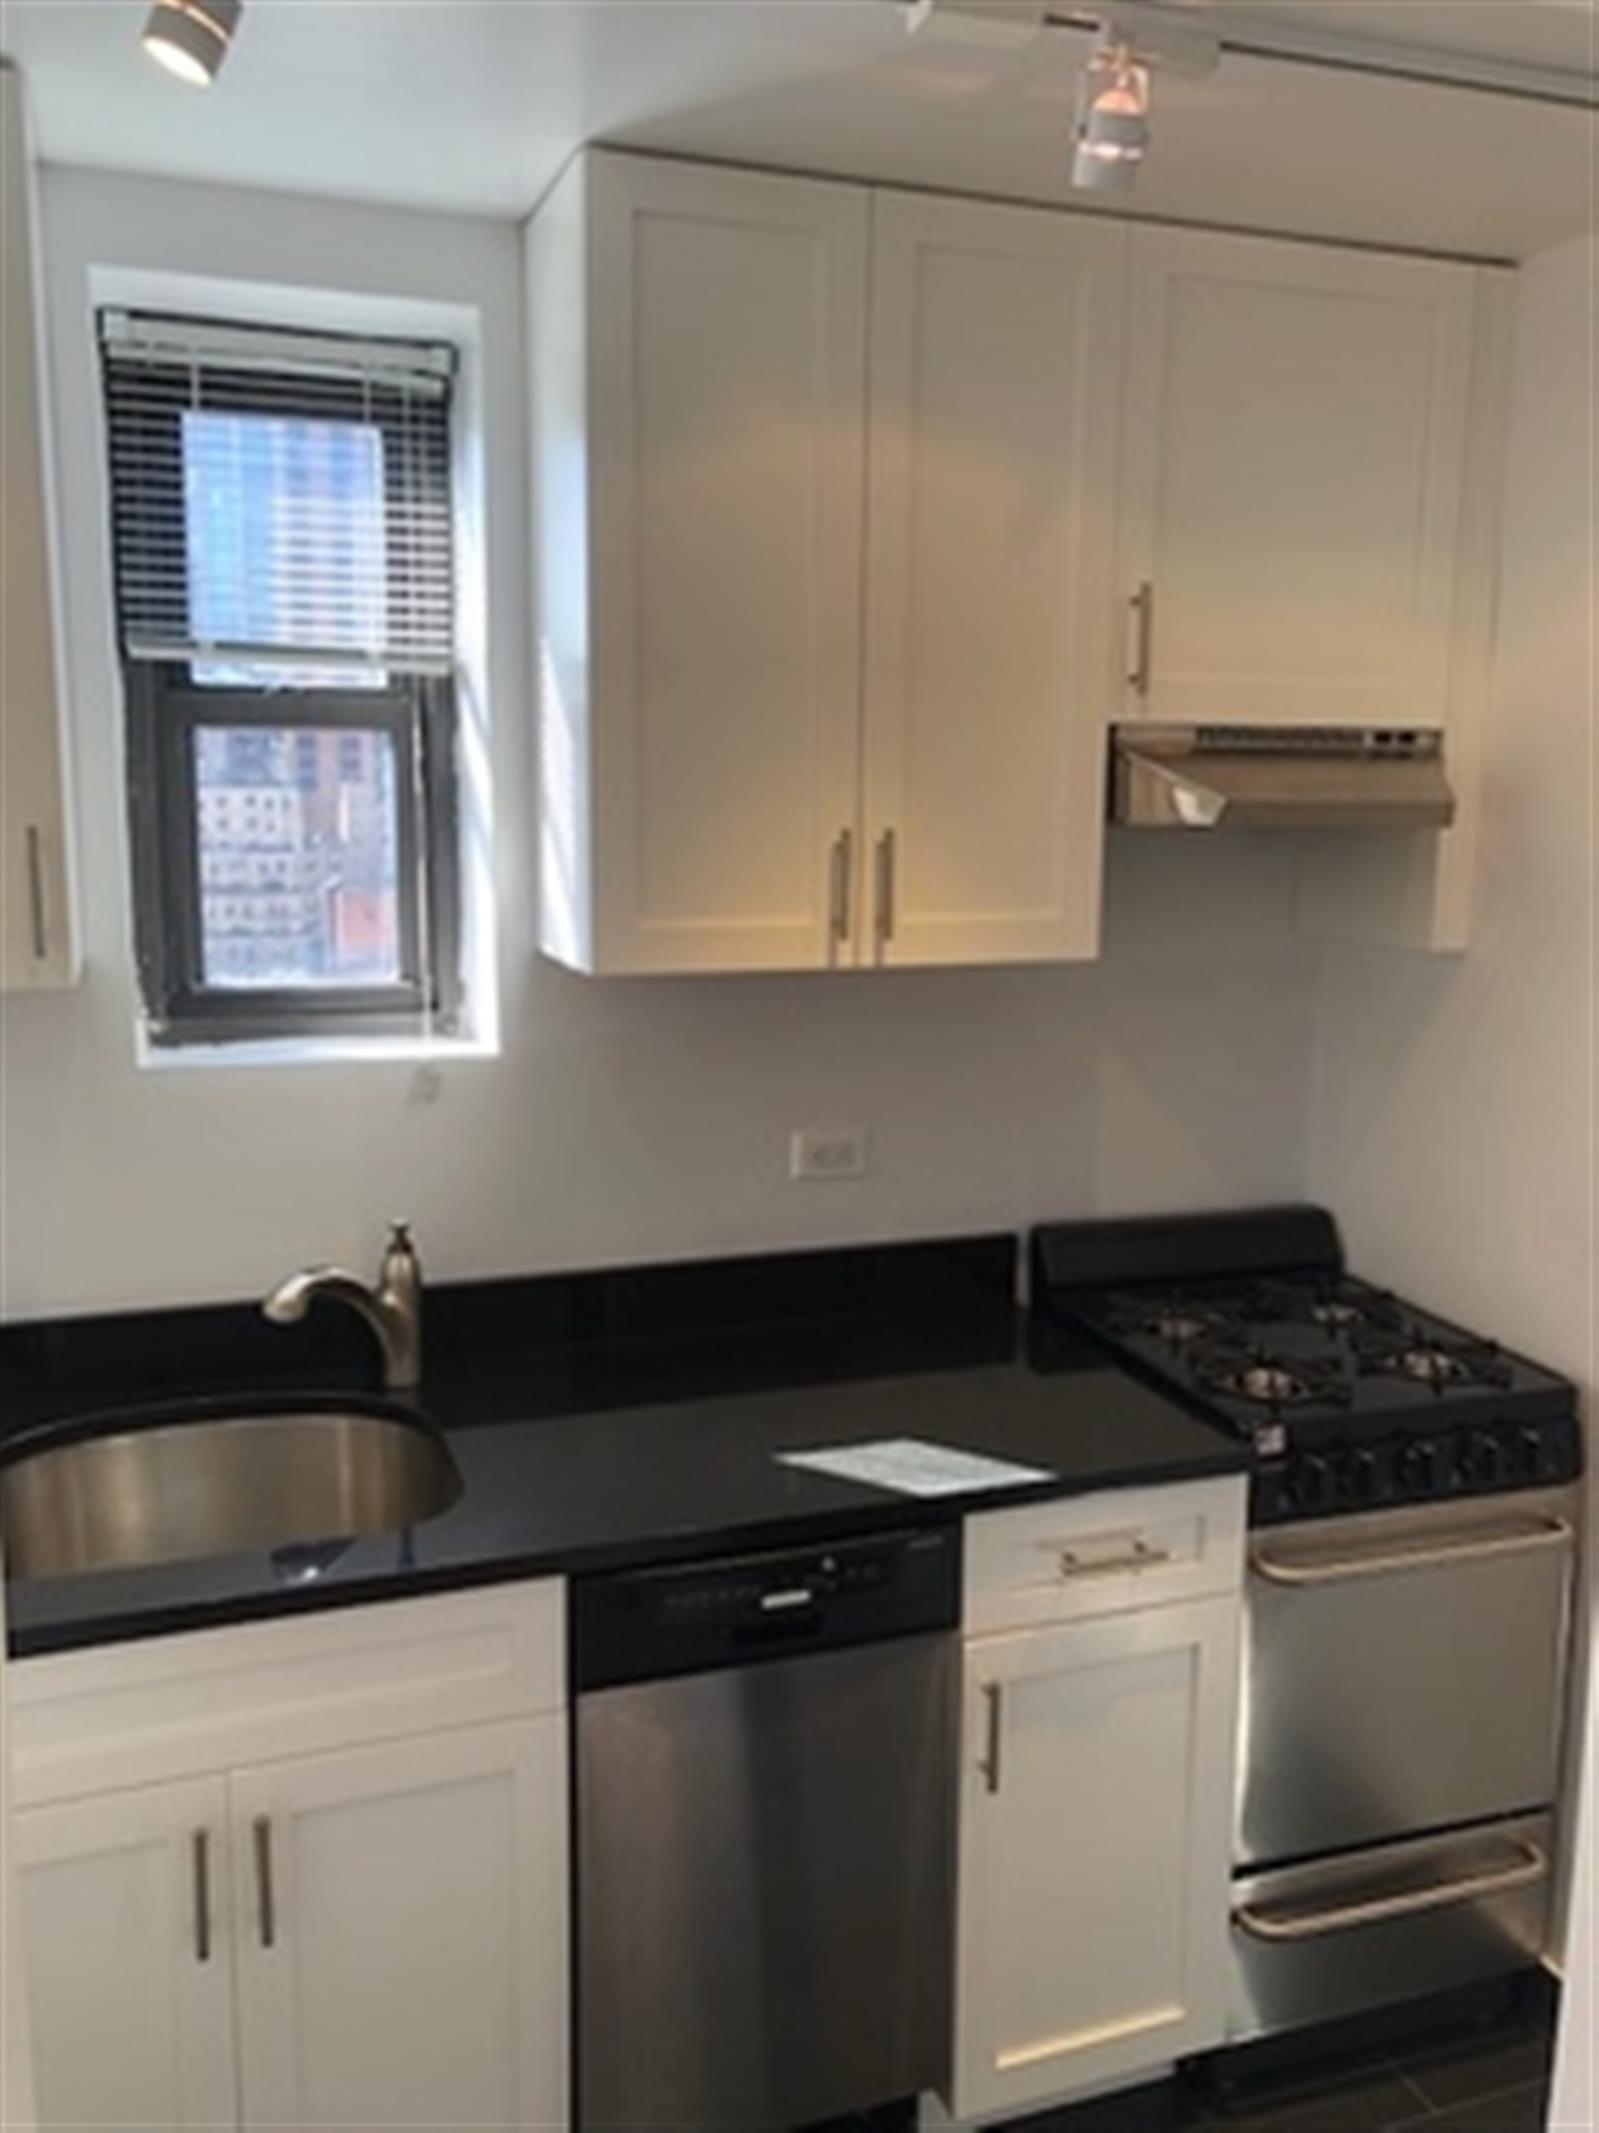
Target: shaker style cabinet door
[(991, 605), (36, 942), (125, 1922), (701, 660), (1295, 439), (401, 1935), (1095, 1825)]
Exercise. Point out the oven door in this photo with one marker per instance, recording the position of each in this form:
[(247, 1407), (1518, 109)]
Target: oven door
[(1369, 1929), (1405, 1671)]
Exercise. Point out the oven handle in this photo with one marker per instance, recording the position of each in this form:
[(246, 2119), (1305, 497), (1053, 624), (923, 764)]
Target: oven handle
[(1550, 1532), (1531, 1865)]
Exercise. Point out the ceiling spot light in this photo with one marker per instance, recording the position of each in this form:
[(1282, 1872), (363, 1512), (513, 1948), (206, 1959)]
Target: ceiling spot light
[(190, 38), (1111, 137)]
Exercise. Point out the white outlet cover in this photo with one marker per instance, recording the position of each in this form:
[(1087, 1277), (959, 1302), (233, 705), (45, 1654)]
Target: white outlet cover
[(827, 1155)]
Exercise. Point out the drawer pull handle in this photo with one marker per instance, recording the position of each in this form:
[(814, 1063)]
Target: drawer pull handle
[(1529, 1865), (261, 1834), (1141, 1556), (988, 1762), (1467, 1547)]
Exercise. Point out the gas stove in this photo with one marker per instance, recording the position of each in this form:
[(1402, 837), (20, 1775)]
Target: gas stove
[(1351, 1397)]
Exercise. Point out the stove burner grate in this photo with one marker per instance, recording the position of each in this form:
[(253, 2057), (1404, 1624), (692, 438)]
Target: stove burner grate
[(1260, 1378), (1436, 1360), (1333, 1305), (1176, 1320)]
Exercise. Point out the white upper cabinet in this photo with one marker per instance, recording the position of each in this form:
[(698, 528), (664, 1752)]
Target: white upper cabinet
[(996, 349), (862, 515), (37, 949), (699, 343), (1295, 439)]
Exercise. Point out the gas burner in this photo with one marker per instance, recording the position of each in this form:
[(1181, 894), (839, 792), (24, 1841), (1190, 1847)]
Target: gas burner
[(1335, 1306), (1261, 1379), (1268, 1383), (1433, 1366), (1176, 1320), (1434, 1360)]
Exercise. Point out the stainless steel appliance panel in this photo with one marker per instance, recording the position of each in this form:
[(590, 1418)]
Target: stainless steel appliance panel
[(765, 1875), (1404, 1672), (1373, 1928)]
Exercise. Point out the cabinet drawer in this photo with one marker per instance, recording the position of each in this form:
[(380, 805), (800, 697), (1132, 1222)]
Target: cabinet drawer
[(1103, 1554), (164, 1707)]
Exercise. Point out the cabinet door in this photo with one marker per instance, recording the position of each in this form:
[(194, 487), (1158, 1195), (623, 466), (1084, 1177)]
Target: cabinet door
[(125, 1921), (1096, 1808), (725, 424), (36, 949), (402, 1937), (1295, 443), (996, 336)]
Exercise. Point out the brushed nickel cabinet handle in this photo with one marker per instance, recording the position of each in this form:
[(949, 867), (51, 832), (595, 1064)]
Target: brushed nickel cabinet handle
[(1140, 1556), (885, 887), (202, 1895), (988, 1762), (261, 1836), (38, 935), (843, 851), (1528, 1866), (1142, 604)]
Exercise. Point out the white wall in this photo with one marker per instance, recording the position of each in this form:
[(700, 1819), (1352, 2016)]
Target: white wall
[(1453, 1119), (624, 1120)]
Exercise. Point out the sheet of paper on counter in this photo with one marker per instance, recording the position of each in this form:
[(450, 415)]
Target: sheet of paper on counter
[(914, 1467)]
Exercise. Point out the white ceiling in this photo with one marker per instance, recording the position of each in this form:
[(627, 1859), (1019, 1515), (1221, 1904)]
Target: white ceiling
[(475, 104)]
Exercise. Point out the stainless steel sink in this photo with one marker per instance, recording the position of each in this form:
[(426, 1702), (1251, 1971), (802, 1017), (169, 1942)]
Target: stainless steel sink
[(214, 1482)]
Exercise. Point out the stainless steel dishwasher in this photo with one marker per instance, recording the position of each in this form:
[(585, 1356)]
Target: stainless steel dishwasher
[(765, 1834)]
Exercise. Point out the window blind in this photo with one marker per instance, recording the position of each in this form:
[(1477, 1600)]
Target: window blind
[(279, 500)]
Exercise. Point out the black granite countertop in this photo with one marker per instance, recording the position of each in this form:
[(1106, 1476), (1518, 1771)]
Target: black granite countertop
[(650, 1437)]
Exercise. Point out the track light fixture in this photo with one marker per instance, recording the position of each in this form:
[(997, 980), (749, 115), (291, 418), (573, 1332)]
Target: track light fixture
[(190, 38), (1111, 136)]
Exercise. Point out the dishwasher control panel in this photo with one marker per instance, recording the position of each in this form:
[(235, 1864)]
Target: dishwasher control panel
[(738, 1610)]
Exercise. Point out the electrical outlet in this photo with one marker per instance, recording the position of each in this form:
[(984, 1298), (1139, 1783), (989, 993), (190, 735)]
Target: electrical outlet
[(819, 1155)]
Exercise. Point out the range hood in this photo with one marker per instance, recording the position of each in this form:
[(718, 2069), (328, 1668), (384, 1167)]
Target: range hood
[(1296, 777)]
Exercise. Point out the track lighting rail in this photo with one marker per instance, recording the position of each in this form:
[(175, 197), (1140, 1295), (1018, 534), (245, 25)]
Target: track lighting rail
[(1244, 32)]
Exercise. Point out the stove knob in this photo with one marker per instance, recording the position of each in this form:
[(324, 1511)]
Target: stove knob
[(1312, 1483), (1530, 1456), (1360, 1478), (1421, 1468), (1482, 1460)]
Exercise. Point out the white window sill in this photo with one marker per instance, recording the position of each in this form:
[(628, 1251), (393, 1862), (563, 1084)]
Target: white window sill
[(317, 1051)]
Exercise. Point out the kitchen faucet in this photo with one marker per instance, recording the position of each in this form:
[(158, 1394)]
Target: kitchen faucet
[(393, 1309)]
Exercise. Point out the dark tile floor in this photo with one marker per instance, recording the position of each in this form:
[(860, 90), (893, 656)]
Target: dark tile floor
[(1475, 2080), (1481, 2079), (1493, 2082)]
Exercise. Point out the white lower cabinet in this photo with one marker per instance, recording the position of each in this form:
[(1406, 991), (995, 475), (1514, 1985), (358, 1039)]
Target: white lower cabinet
[(1095, 1839), (370, 1936), (129, 1961), (396, 1965)]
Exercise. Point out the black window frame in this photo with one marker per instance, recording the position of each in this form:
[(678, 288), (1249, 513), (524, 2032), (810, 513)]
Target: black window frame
[(165, 703), (165, 706)]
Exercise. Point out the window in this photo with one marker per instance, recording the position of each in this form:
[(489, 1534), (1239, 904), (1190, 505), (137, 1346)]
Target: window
[(281, 529)]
